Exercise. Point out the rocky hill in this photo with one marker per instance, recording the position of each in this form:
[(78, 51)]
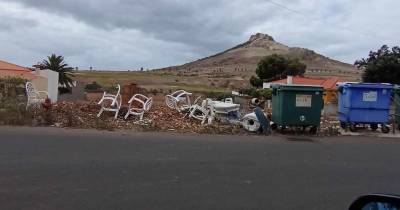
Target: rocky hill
[(241, 61)]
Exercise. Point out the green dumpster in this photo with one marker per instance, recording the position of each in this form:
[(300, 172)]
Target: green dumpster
[(396, 102), (297, 105)]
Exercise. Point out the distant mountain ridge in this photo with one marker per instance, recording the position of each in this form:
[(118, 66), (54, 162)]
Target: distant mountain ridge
[(242, 60)]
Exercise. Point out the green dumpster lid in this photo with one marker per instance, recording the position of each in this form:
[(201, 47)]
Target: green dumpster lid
[(298, 87), (397, 89)]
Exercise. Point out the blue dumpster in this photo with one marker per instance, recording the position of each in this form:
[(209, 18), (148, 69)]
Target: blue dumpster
[(396, 102), (365, 103)]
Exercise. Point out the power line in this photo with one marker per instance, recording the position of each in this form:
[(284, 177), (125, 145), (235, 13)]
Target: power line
[(285, 7), (371, 35)]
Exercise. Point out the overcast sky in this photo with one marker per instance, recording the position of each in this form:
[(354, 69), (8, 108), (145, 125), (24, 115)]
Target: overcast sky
[(129, 34)]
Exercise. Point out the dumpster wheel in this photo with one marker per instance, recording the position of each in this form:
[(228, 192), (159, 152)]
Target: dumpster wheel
[(353, 127), (313, 130), (274, 126), (373, 126), (343, 125), (385, 128)]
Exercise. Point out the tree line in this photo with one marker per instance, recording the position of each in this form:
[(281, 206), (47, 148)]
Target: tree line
[(381, 66)]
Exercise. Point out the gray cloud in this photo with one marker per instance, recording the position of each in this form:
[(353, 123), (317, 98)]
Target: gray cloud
[(208, 24), (129, 34), (13, 23)]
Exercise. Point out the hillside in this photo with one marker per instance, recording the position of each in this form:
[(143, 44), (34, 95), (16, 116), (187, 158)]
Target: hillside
[(241, 61)]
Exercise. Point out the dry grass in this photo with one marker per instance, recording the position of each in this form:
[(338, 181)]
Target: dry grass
[(12, 112), (155, 80)]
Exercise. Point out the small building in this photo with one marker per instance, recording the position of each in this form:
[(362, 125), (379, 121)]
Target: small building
[(12, 70), (46, 80), (329, 85)]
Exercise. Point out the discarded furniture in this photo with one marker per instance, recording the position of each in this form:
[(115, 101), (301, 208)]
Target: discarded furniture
[(365, 103), (138, 105), (228, 100), (110, 102), (224, 107), (264, 122), (179, 100), (196, 102), (200, 112), (223, 111), (250, 122), (210, 110), (35, 98)]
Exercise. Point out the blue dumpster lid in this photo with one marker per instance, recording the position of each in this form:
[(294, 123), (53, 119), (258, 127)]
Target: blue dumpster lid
[(369, 85)]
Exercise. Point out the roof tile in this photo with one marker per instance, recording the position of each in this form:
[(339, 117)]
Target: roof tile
[(328, 83)]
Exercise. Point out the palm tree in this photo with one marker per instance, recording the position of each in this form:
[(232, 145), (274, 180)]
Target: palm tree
[(57, 64)]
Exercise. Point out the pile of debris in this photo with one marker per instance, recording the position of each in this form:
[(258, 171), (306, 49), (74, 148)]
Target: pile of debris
[(82, 115), (330, 126), (164, 119), (159, 118)]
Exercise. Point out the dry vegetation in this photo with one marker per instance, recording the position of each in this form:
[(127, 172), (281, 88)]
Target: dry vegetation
[(159, 80)]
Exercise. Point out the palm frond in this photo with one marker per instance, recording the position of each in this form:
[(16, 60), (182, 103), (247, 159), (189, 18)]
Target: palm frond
[(57, 64)]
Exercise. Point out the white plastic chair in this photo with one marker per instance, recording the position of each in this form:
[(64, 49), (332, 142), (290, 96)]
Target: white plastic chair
[(114, 104), (35, 98), (170, 101), (196, 101), (201, 112), (179, 100), (145, 105)]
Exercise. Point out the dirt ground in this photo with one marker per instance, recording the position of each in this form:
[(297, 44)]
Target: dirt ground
[(163, 80)]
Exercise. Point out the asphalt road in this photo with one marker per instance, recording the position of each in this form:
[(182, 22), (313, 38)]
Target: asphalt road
[(58, 169)]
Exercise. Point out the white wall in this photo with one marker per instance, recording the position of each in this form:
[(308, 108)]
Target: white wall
[(266, 85), (52, 84), (47, 80)]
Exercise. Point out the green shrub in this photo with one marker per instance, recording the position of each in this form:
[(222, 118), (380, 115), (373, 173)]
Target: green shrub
[(93, 86), (257, 93), (217, 95), (277, 66), (13, 112), (64, 90), (10, 87), (255, 81), (265, 93), (111, 89), (154, 91)]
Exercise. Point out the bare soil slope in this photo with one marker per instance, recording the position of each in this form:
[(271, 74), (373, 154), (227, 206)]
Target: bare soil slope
[(241, 61)]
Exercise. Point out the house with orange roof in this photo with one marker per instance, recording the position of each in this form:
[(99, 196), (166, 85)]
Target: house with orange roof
[(13, 70), (329, 85), (46, 80)]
